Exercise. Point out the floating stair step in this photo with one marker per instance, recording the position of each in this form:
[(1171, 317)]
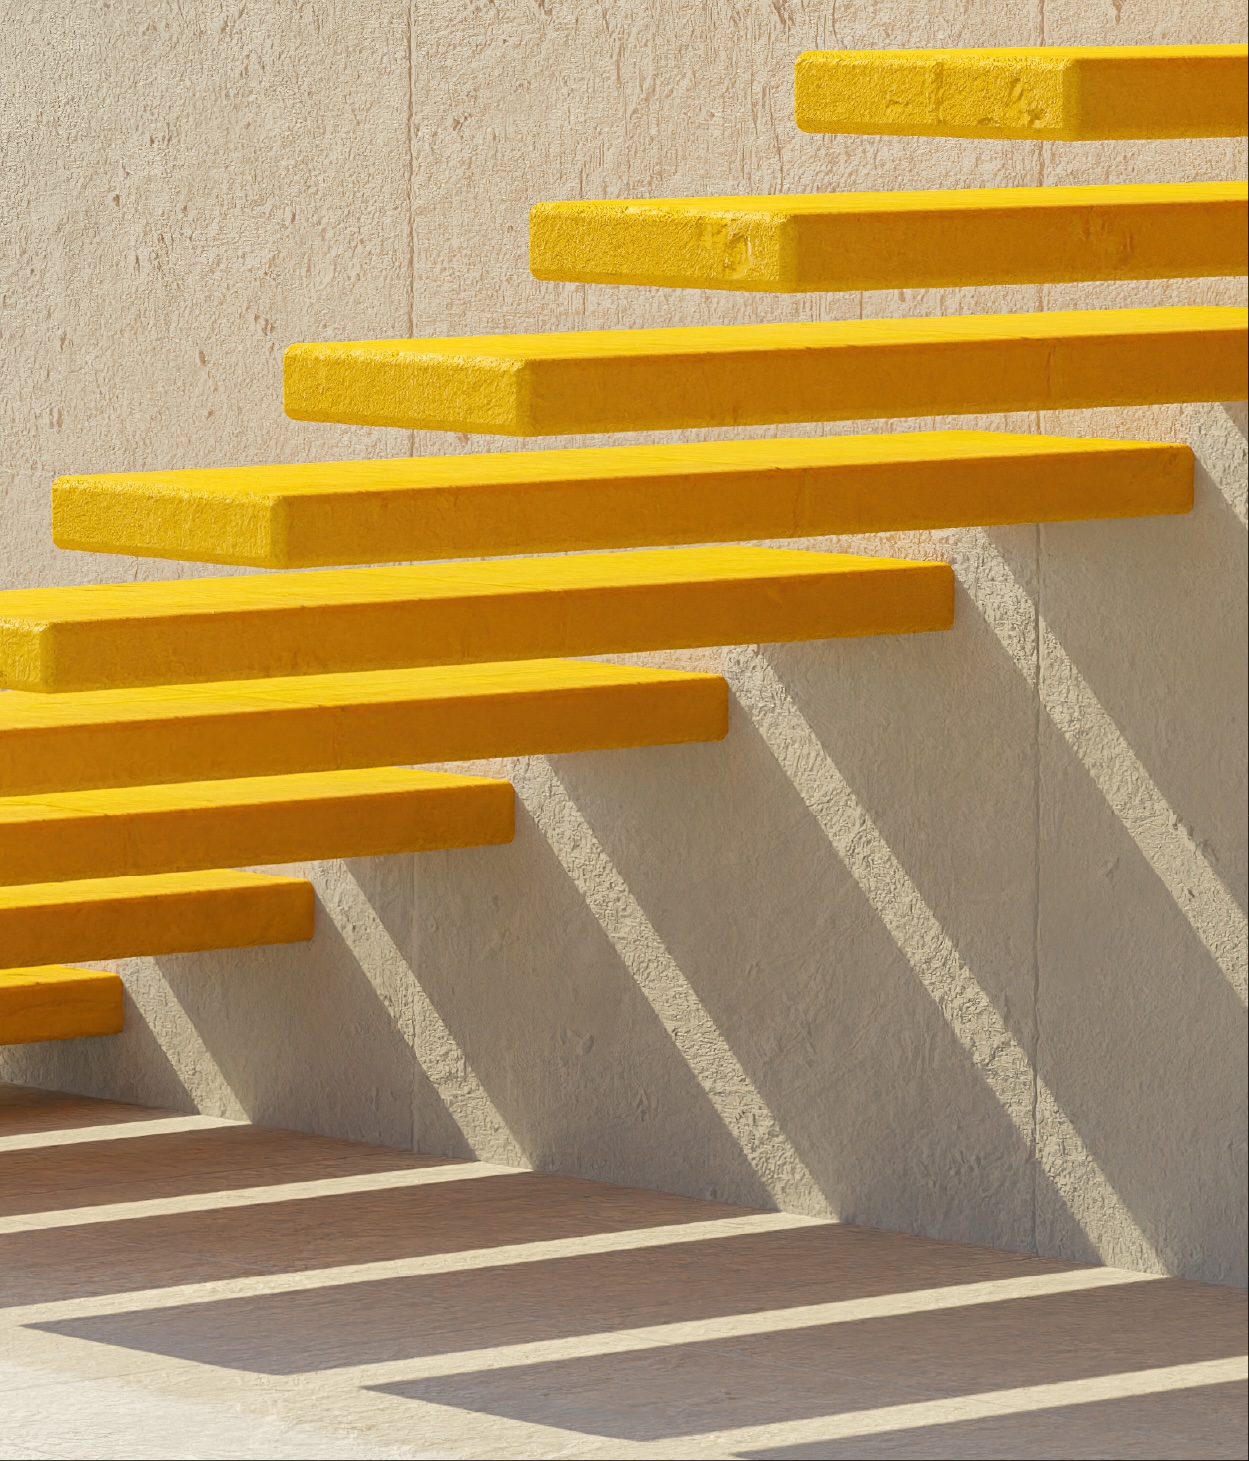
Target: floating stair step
[(115, 635), (613, 497), (173, 913), (123, 832), (921, 240), (744, 375), (1057, 93), (330, 722), (55, 1003)]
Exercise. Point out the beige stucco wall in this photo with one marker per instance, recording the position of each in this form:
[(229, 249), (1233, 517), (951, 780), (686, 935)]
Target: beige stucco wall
[(947, 935)]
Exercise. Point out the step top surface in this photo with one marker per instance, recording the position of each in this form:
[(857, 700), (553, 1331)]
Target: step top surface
[(852, 334), (249, 791), (52, 975), (924, 201), (93, 603), (24, 711), (501, 470), (126, 890)]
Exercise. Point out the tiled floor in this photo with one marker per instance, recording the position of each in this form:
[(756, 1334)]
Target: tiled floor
[(179, 1287)]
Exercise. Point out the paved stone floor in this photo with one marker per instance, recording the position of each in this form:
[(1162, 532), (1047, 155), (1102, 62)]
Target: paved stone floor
[(176, 1286)]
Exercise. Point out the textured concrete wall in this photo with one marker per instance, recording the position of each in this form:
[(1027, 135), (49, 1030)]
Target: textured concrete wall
[(949, 934)]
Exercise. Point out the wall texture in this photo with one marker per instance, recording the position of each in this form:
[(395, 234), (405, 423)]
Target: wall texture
[(949, 935)]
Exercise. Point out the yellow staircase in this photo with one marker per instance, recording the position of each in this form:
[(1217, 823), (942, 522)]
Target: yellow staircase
[(156, 736), (919, 240), (1051, 93), (265, 727), (615, 497), (498, 609), (171, 913), (755, 375)]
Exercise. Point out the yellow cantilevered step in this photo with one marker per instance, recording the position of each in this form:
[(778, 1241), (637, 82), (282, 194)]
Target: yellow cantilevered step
[(1059, 93), (264, 727), (115, 635), (171, 913), (54, 1003), (307, 515), (840, 241), (744, 375), (123, 832)]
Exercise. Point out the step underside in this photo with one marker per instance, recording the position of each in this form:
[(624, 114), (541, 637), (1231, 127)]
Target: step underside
[(52, 1002), (322, 513), (918, 240), (194, 630), (743, 375), (264, 727), (185, 826), (1055, 93), (171, 913)]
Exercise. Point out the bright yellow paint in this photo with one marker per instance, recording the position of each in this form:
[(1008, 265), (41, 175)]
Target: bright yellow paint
[(55, 1003), (1059, 93), (113, 635), (173, 913), (264, 819), (613, 497), (742, 375), (838, 241), (322, 722)]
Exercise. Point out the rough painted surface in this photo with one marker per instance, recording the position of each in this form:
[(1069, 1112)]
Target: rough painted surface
[(311, 514), (99, 638), (751, 375), (1074, 94), (191, 825), (267, 727), (113, 918), (945, 935), (896, 240), (53, 1002)]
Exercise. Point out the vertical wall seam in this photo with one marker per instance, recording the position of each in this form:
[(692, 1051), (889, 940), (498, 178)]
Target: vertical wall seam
[(1036, 777), (410, 152), (1038, 713), (414, 939)]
